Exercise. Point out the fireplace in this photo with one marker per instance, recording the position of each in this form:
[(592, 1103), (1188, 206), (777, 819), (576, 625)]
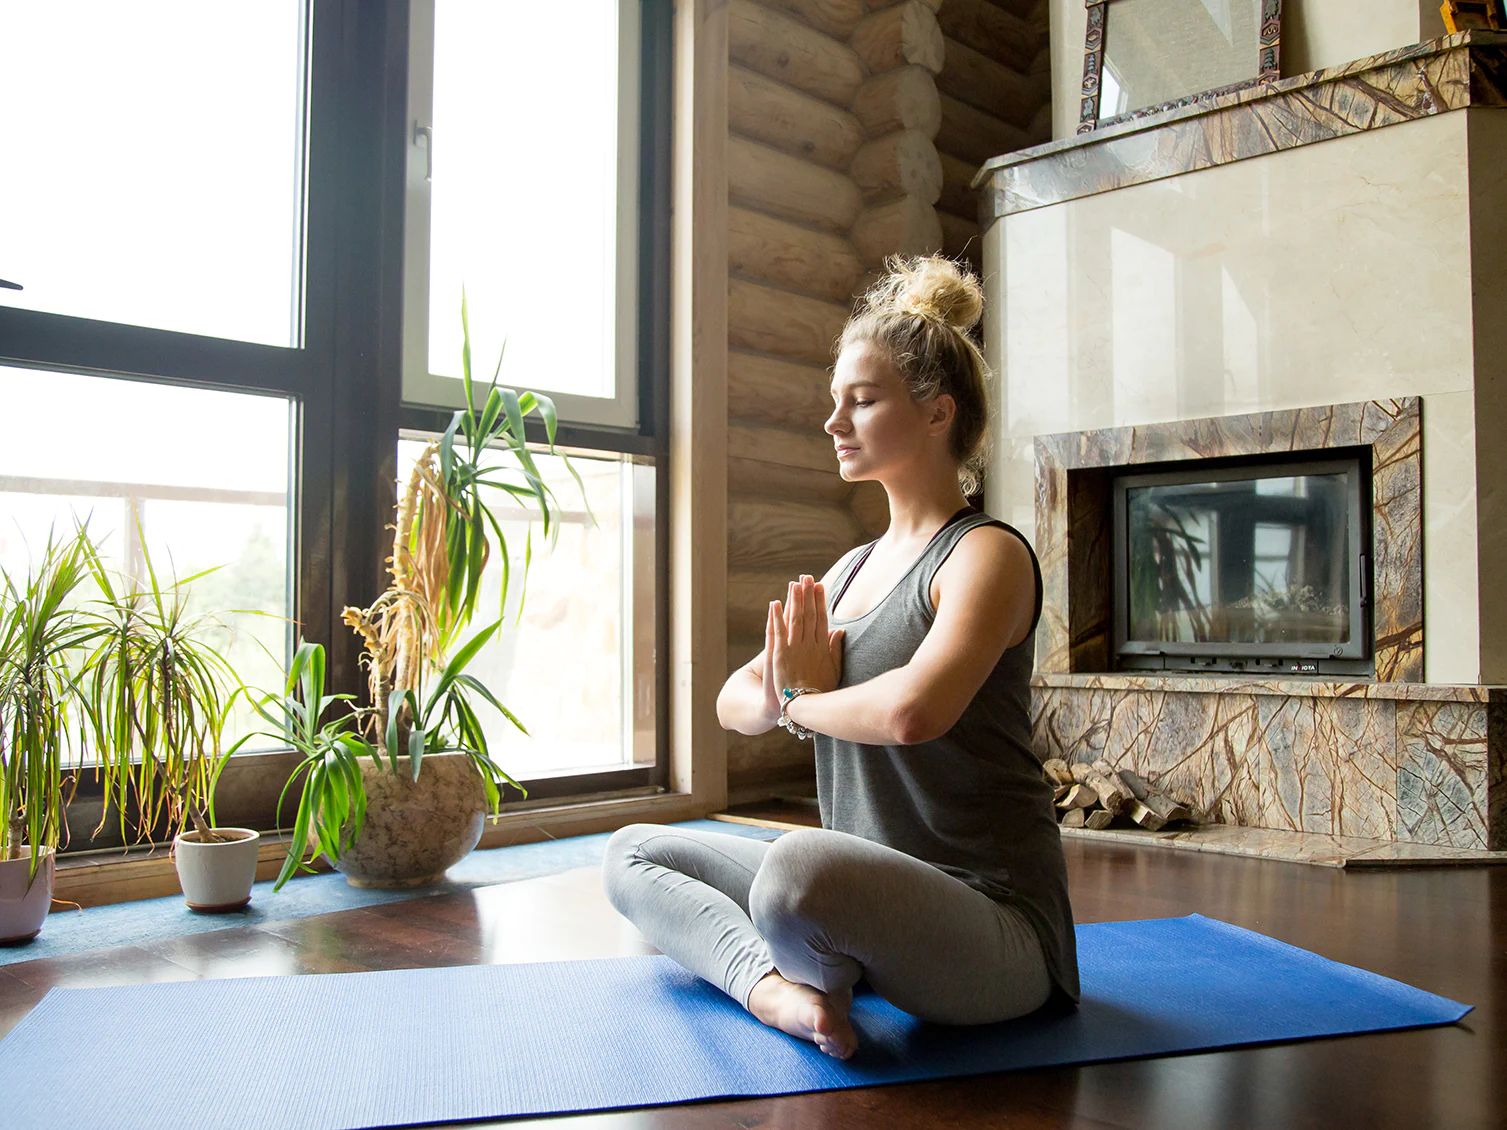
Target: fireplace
[(1257, 565)]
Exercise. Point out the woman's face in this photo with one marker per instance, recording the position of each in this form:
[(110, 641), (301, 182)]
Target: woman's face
[(875, 424)]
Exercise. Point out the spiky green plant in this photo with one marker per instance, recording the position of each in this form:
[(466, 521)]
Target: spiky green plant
[(156, 693), (40, 630), (443, 541)]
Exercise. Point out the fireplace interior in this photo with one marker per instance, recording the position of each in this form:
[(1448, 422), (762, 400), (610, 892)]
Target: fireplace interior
[(1254, 565)]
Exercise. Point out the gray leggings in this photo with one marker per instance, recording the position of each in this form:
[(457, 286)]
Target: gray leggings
[(825, 908)]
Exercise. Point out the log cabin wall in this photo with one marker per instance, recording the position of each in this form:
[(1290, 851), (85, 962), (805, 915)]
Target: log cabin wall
[(842, 124), (996, 94)]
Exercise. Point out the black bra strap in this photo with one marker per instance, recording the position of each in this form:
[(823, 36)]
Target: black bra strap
[(853, 572)]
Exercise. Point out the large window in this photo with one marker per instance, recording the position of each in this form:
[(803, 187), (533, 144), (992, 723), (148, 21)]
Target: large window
[(522, 188), (155, 164), (570, 661), (194, 480), (236, 225)]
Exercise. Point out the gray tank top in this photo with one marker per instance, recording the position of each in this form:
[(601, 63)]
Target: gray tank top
[(973, 802)]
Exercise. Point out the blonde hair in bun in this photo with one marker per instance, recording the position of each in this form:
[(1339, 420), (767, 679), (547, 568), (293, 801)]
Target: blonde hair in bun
[(919, 312)]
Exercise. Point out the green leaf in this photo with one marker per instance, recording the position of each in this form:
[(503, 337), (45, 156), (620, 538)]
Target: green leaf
[(457, 664), (416, 739), (465, 353)]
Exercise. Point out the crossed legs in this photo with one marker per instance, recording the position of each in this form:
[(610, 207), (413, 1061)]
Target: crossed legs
[(787, 928)]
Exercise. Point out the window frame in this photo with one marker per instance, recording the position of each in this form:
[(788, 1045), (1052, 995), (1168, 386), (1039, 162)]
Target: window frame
[(344, 378), (648, 438), (635, 116)]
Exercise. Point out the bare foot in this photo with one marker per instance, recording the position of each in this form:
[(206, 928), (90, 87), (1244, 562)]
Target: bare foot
[(806, 1013)]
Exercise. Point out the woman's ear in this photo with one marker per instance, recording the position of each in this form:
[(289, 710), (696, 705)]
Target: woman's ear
[(943, 409)]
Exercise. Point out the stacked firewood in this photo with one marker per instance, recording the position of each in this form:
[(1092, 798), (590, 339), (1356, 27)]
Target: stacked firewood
[(1097, 795)]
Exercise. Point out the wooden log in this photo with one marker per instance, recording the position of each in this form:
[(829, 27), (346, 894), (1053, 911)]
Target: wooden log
[(958, 195), (960, 237), (1112, 794), (899, 164), (971, 76), (1170, 810), (743, 649), (1134, 782), (781, 322), (769, 250), (991, 30), (782, 47), (1041, 126), (1059, 792), (748, 597), (1055, 769), (773, 753), (1074, 818), (1156, 812), (881, 5), (1079, 796), (908, 226), (796, 123), (871, 506), (974, 135), (906, 33), (1080, 771), (1099, 819), (783, 394), (775, 480), (836, 18), (811, 450), (905, 98), (787, 537), (766, 180)]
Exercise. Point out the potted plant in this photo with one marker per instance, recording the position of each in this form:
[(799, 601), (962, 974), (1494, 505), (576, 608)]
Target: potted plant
[(332, 805), (39, 629), (157, 694), (411, 803)]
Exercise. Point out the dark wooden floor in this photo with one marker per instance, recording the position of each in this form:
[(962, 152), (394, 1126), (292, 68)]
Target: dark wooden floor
[(1444, 930)]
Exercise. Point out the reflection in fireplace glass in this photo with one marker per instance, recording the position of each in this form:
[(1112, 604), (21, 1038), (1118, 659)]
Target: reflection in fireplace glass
[(1259, 560)]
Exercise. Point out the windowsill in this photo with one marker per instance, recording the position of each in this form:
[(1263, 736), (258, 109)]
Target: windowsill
[(111, 876)]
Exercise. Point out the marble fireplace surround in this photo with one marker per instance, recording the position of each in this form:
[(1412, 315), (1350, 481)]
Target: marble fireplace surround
[(1393, 759), (1074, 471)]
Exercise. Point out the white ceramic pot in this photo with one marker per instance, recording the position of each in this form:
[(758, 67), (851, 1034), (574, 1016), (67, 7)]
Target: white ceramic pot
[(24, 902), (217, 877)]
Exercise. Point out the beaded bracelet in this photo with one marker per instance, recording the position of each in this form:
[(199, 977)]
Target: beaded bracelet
[(789, 695)]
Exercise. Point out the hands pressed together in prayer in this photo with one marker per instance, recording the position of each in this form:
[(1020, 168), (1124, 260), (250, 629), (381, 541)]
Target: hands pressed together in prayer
[(800, 649)]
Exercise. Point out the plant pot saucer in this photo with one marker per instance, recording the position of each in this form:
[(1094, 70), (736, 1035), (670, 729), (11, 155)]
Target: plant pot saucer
[(222, 908)]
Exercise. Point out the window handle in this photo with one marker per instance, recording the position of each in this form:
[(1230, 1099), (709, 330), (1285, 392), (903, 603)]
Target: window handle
[(6, 284), (427, 133)]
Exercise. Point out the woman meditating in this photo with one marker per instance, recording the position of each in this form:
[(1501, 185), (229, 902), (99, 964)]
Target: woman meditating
[(937, 874)]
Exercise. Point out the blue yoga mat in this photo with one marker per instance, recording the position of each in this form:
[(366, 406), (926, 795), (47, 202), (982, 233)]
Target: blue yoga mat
[(429, 1045)]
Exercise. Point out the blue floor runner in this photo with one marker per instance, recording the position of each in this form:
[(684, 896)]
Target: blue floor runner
[(144, 921), (428, 1045)]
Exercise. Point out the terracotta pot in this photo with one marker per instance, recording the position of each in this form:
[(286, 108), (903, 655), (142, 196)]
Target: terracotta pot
[(415, 830), (217, 877), (24, 903)]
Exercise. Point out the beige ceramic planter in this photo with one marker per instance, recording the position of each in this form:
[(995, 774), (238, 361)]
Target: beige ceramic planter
[(415, 830), (217, 877), (24, 903)]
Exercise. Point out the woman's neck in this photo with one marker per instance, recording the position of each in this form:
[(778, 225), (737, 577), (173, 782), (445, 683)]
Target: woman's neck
[(921, 502)]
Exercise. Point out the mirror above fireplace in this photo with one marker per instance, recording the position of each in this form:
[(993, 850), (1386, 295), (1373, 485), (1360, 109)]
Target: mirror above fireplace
[(1259, 566)]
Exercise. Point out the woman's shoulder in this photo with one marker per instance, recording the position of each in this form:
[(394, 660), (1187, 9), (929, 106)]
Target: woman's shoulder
[(989, 555)]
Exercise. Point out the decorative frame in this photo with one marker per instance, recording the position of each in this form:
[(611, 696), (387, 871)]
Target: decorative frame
[(1268, 66), (1466, 15)]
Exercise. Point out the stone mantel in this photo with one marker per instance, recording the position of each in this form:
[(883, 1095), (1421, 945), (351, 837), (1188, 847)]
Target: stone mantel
[(1287, 688), (1426, 79)]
